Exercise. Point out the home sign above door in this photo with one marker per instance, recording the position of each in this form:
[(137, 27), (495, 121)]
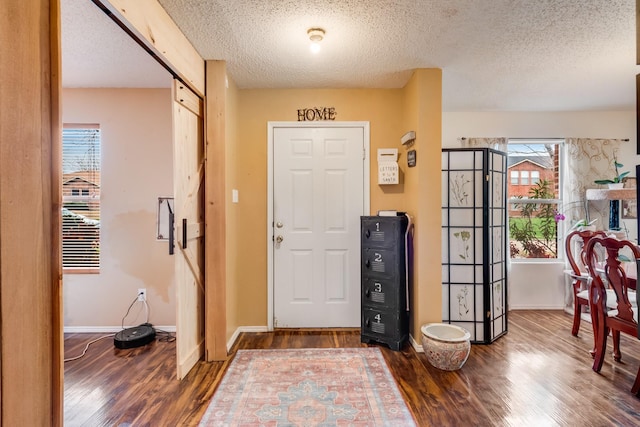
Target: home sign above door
[(316, 114)]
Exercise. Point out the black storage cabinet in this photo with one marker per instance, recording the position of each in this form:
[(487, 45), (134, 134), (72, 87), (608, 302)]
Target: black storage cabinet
[(384, 312)]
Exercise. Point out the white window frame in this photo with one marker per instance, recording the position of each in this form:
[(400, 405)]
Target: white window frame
[(535, 177), (93, 200), (561, 152), (514, 177)]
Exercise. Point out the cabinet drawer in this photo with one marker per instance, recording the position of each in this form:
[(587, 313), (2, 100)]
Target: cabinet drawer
[(381, 232), (382, 263), (383, 293), (383, 324)]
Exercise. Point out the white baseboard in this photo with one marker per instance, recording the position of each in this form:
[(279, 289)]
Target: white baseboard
[(417, 347), (237, 332), (107, 329), (536, 307)]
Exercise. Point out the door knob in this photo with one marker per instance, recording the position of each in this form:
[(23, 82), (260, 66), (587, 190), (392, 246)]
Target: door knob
[(279, 224), (279, 239)]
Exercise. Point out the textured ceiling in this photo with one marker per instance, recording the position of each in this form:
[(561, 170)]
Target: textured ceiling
[(509, 55), (97, 53)]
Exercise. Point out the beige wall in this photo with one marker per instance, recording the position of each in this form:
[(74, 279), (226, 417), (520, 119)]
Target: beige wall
[(530, 124), (542, 286), (386, 110), (137, 122), (137, 168), (423, 114), (100, 300), (382, 108)]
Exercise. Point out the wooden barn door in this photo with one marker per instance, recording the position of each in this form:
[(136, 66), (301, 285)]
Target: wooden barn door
[(188, 184)]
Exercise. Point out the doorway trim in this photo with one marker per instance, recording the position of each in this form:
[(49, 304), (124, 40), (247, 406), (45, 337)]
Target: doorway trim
[(366, 183)]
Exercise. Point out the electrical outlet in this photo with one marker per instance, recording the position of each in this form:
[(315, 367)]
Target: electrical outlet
[(142, 294)]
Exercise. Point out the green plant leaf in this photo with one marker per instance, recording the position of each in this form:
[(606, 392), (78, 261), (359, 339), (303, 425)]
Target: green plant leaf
[(616, 179), (623, 174)]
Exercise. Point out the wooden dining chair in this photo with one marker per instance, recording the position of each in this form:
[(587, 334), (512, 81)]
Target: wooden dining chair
[(575, 247), (623, 317)]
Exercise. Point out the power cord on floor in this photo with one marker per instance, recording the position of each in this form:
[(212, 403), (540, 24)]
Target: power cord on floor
[(87, 347), (166, 336)]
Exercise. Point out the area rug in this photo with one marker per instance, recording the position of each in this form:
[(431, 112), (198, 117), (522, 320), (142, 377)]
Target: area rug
[(308, 387)]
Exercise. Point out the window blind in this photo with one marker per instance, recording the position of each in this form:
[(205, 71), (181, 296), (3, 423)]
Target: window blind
[(80, 197)]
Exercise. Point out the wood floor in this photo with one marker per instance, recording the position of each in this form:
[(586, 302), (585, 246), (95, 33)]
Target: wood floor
[(537, 374)]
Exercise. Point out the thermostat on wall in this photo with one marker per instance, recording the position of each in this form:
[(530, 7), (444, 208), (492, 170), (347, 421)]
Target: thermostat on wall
[(408, 138)]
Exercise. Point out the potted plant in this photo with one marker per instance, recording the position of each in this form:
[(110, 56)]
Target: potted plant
[(616, 182)]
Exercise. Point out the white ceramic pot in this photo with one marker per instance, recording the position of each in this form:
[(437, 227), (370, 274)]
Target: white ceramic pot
[(616, 186), (446, 346)]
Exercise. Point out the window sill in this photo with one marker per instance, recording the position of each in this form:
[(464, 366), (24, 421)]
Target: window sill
[(537, 261)]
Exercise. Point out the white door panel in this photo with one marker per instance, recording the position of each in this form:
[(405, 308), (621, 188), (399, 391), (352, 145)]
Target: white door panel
[(318, 198)]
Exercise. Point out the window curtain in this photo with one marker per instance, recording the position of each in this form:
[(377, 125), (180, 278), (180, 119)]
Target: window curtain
[(499, 144), (587, 160)]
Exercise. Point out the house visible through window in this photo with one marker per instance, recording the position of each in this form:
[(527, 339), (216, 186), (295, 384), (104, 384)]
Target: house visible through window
[(81, 198), (535, 198)]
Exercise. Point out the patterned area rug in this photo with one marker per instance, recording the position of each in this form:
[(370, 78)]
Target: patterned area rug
[(308, 387)]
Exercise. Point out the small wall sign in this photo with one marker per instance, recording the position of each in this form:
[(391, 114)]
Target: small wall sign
[(316, 114), (388, 171), (411, 158)]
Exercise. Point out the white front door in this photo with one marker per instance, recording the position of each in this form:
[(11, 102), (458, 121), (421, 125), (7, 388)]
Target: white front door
[(318, 198)]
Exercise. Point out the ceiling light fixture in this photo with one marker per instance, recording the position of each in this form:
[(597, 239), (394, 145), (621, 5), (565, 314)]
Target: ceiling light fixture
[(315, 35)]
